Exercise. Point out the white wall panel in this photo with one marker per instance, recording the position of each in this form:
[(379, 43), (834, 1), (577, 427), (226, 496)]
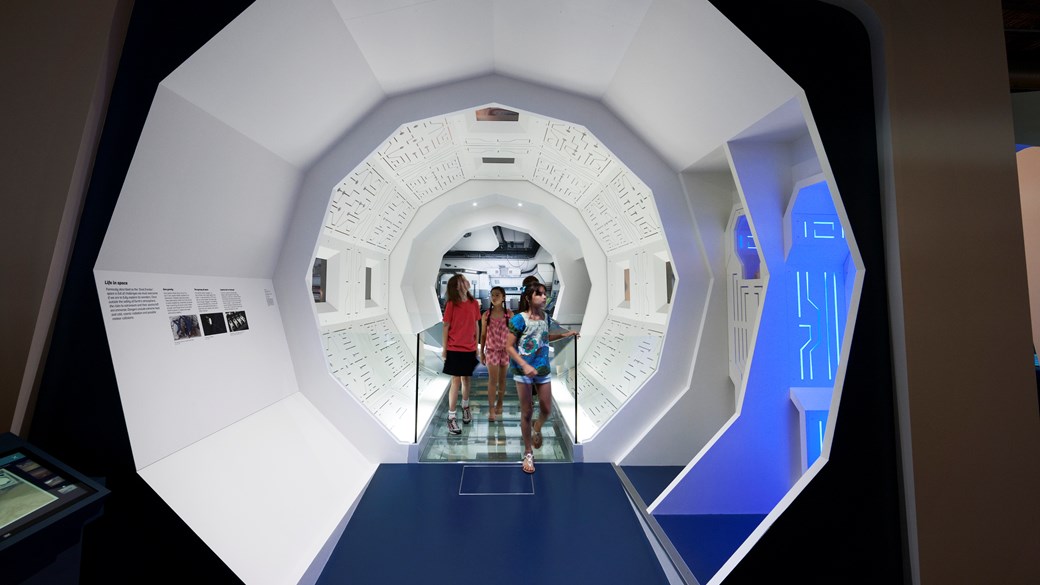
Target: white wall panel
[(175, 391), (199, 198), (242, 491), (423, 44), (621, 357), (579, 45), (694, 417), (287, 74), (717, 84)]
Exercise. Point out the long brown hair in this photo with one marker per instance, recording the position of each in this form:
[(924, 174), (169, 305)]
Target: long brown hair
[(453, 290), (525, 299), (523, 304)]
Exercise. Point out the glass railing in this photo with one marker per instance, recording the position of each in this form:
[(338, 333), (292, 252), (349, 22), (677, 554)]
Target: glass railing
[(430, 381), (399, 379), (563, 363), (484, 439)]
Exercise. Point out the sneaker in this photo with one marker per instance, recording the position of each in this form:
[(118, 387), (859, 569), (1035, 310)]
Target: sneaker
[(453, 426), (467, 416)]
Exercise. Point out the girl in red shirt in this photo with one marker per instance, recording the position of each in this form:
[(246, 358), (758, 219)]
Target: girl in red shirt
[(461, 314)]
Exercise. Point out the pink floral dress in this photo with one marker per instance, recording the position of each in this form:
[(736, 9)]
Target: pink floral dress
[(495, 342)]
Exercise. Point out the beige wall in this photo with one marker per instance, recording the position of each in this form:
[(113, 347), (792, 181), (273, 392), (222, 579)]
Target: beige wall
[(1029, 192), (967, 397), (57, 60)]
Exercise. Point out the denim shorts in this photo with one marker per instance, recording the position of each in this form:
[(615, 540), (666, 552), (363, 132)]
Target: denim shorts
[(532, 379)]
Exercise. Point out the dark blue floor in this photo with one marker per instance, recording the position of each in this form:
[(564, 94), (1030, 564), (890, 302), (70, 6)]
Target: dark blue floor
[(650, 480), (704, 541), (412, 526)]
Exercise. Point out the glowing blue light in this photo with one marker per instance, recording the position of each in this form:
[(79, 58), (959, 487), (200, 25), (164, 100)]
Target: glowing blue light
[(798, 281), (830, 372), (819, 236), (837, 336), (746, 248), (815, 425), (801, 353)]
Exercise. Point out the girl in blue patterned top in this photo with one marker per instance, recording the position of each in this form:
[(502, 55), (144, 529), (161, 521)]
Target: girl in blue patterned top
[(528, 348)]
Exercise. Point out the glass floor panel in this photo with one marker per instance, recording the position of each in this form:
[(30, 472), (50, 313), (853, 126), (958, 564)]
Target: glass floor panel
[(484, 441)]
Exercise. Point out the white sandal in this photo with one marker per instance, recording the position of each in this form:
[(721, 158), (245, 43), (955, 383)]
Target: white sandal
[(528, 463)]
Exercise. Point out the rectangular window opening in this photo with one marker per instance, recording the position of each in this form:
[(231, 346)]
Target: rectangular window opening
[(318, 279), (669, 281), (497, 115)]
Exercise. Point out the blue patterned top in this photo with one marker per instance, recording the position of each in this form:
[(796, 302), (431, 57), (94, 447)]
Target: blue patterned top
[(532, 343)]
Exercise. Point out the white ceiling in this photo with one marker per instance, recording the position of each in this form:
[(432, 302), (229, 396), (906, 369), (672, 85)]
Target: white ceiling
[(295, 76)]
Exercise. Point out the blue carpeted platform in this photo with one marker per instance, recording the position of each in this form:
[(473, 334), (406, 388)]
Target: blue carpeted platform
[(705, 541), (413, 526), (650, 480)]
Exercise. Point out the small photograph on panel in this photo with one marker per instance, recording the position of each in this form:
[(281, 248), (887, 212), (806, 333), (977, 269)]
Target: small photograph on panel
[(27, 465), (497, 115), (185, 327), (41, 473), (213, 323), (236, 321)]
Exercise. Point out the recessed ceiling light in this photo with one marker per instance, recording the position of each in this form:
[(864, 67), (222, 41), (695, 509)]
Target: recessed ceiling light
[(519, 204), (474, 204)]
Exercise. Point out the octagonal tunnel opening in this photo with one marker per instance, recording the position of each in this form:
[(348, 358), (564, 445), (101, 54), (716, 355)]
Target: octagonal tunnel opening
[(498, 255), (497, 260), (378, 273)]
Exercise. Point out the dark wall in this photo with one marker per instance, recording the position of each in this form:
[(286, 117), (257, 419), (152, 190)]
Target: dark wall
[(78, 417)]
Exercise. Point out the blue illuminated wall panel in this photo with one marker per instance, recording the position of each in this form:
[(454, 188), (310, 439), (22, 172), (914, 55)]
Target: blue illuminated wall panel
[(745, 248), (816, 277), (816, 288), (815, 425)]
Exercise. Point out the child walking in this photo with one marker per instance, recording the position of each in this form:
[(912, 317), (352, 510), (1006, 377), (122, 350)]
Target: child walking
[(461, 314), (528, 348), (494, 331)]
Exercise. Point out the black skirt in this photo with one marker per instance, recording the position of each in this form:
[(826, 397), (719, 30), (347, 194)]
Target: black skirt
[(460, 363)]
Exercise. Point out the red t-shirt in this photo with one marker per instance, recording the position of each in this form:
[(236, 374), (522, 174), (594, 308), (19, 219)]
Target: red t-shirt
[(462, 320)]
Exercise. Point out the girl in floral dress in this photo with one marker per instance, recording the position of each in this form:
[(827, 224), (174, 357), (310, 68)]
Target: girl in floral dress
[(493, 333)]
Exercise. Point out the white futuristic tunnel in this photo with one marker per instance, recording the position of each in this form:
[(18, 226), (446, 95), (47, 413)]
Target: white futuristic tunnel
[(672, 170), (552, 179)]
